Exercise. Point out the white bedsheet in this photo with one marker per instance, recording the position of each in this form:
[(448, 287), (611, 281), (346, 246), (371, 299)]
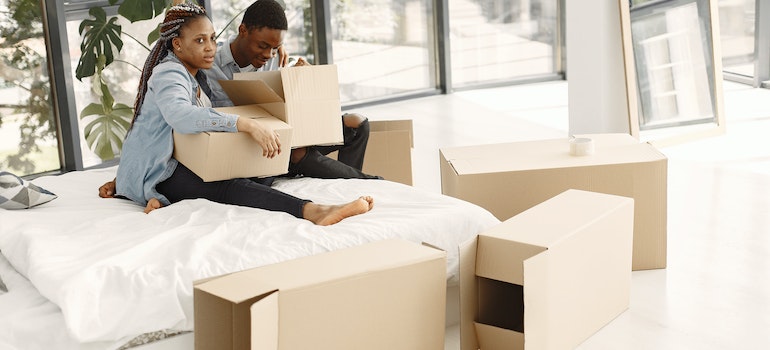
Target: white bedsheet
[(116, 272)]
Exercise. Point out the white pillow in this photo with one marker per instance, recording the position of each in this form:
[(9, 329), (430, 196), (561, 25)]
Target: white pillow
[(16, 193)]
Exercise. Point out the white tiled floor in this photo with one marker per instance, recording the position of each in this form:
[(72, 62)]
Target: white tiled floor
[(715, 292)]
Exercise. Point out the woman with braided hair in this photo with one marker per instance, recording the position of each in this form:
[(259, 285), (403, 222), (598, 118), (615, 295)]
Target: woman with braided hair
[(171, 98)]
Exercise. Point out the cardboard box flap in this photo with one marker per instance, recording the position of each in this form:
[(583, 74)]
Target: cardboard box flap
[(554, 153), (272, 78), (502, 259), (246, 92), (468, 294), (264, 323), (494, 338), (309, 83)]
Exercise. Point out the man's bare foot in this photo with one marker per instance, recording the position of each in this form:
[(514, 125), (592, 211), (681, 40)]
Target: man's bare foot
[(152, 204), (325, 215)]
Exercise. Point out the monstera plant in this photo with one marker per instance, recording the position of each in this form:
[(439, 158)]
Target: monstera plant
[(101, 46)]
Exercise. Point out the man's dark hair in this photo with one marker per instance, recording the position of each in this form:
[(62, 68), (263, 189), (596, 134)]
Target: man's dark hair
[(265, 13)]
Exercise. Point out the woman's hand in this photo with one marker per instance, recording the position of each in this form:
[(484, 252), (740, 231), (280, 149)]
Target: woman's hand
[(262, 134)]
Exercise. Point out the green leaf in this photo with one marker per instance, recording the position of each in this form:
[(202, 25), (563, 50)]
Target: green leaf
[(154, 35), (139, 10), (99, 37), (106, 132)]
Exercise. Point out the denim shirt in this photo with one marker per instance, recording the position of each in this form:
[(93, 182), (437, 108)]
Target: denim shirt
[(224, 68), (170, 104)]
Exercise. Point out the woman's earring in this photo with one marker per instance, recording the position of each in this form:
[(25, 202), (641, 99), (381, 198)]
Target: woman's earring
[(179, 49)]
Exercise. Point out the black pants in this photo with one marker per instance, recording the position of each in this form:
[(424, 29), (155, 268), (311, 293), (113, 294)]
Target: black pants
[(350, 158), (255, 193)]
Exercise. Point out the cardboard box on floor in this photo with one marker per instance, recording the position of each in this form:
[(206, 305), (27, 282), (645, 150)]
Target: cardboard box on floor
[(307, 98), (549, 277), (389, 150), (388, 294), (218, 156), (509, 178)]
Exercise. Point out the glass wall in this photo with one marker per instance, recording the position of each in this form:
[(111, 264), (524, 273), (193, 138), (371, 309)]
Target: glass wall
[(736, 25), (382, 47), (28, 137), (497, 40)]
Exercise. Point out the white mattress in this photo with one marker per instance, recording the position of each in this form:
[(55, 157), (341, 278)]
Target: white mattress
[(115, 272)]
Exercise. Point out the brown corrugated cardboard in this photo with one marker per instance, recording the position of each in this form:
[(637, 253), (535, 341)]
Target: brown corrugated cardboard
[(549, 277), (307, 98), (389, 294), (509, 178), (389, 151), (218, 156)]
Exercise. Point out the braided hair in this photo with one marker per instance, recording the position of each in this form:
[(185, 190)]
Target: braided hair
[(265, 13), (176, 17)]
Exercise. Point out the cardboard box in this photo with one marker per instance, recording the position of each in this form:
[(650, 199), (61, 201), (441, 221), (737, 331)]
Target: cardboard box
[(509, 178), (307, 98), (550, 277), (389, 150), (218, 156), (388, 294)]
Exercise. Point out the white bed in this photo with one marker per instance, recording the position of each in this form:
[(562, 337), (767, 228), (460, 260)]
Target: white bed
[(99, 272)]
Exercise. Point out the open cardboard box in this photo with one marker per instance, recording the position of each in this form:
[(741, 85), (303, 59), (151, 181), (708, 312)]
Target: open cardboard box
[(549, 277), (306, 97), (508, 178), (218, 156), (388, 294)]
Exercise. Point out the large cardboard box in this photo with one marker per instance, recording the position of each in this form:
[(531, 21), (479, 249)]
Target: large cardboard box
[(389, 294), (549, 277), (218, 156), (509, 178), (389, 150), (306, 97)]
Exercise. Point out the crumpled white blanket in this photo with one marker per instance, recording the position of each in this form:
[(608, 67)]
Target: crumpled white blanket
[(116, 272)]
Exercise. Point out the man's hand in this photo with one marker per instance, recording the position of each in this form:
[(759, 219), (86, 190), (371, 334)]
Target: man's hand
[(301, 62), (284, 57), (107, 190)]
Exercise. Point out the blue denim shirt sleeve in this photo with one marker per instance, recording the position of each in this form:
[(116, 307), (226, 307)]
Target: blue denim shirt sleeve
[(176, 88)]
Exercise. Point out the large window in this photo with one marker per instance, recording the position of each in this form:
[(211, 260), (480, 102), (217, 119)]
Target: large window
[(382, 47), (502, 40), (121, 79), (28, 136), (736, 25)]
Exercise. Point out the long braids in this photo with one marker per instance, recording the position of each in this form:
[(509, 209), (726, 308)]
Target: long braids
[(176, 16)]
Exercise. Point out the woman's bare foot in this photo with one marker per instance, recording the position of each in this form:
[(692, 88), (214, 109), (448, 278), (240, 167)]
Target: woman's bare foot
[(325, 215), (152, 204)]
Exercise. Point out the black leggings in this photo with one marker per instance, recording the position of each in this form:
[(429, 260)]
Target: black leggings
[(184, 184)]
